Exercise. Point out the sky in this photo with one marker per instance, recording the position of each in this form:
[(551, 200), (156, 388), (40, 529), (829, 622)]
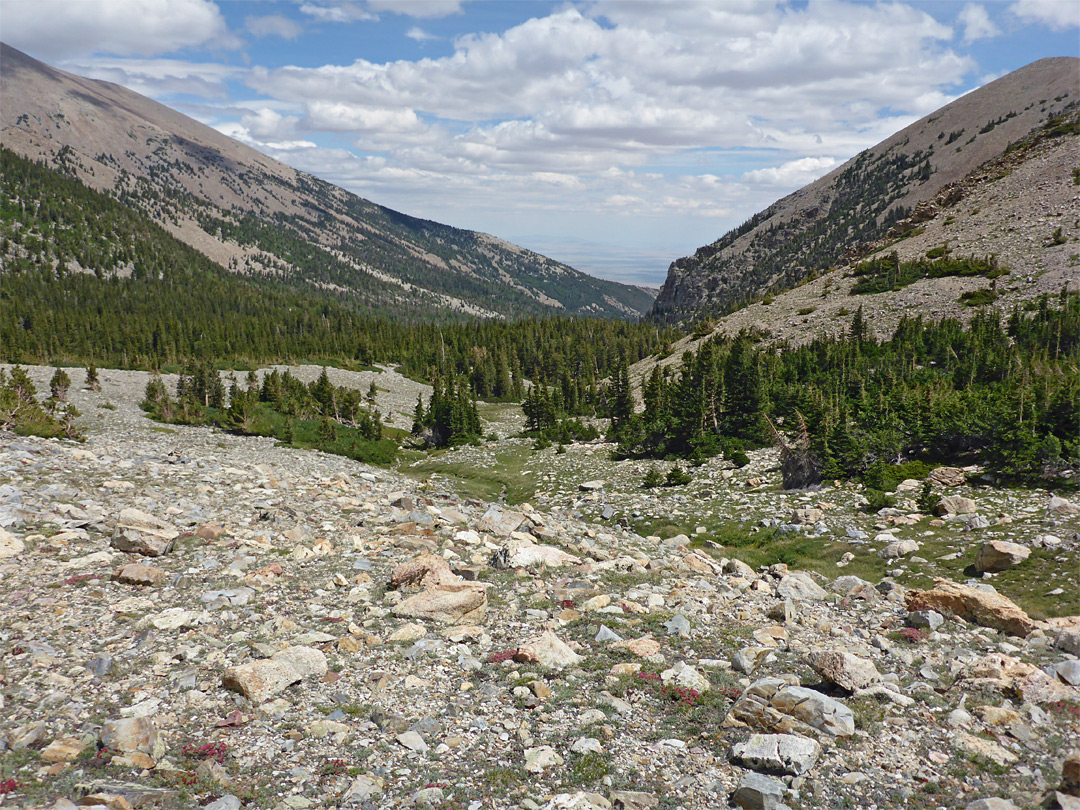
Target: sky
[(613, 135)]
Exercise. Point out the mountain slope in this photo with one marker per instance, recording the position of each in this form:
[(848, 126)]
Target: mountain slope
[(832, 220), (254, 215)]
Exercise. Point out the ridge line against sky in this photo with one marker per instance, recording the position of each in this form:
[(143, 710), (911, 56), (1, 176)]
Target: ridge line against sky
[(614, 136)]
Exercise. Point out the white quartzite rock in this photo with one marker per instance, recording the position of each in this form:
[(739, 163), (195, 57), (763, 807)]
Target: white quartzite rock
[(777, 753), (261, 680), (844, 669)]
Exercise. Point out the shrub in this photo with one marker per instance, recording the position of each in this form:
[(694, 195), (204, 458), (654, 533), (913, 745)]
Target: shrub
[(677, 477), (653, 478), (59, 385), (876, 500)]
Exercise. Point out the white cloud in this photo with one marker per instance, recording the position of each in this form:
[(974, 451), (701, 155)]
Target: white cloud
[(417, 8), (158, 77), (273, 25), (977, 23), (793, 174), (336, 12), (61, 29), (419, 34), (1055, 14)]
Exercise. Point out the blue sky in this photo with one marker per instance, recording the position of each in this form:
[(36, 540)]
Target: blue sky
[(612, 135)]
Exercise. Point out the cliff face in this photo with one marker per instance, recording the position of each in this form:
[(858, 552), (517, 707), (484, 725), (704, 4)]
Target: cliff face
[(831, 220)]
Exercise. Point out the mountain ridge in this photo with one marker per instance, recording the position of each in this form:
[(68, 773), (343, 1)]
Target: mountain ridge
[(252, 214), (829, 222)]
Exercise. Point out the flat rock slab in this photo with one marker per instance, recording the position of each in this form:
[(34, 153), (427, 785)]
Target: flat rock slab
[(500, 522), (777, 753), (259, 681), (457, 603), (973, 605)]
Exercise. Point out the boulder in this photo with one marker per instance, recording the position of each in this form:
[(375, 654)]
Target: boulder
[(800, 587), (133, 735), (1014, 677), (955, 505), (684, 675), (898, 548), (139, 533), (458, 603), (776, 705), (591, 486), (500, 522), (947, 476), (524, 555), (998, 555), (10, 545), (1062, 506), (139, 574), (777, 753), (844, 669), (548, 650), (757, 792), (541, 758), (807, 516), (258, 681), (425, 571), (973, 605)]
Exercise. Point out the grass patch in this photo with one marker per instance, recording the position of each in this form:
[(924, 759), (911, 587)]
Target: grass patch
[(504, 476)]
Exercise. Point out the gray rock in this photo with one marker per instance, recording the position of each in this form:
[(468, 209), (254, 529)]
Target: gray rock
[(757, 792), (844, 669), (991, 804), (226, 802), (412, 741), (591, 486), (998, 555), (260, 680), (775, 705), (678, 625), (364, 787), (140, 533), (607, 634), (926, 619), (777, 753), (633, 800), (800, 587), (1066, 671), (955, 505)]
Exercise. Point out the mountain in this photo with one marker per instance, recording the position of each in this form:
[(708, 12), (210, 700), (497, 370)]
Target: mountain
[(880, 194), (257, 216)]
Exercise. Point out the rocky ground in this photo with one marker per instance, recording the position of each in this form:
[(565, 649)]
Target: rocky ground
[(195, 619)]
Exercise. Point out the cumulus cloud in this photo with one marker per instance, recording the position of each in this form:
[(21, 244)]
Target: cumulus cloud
[(158, 77), (793, 174), (273, 25), (977, 23), (1055, 14), (60, 29)]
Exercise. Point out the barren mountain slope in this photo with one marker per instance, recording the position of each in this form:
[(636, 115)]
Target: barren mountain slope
[(1010, 208), (252, 214), (829, 220)]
